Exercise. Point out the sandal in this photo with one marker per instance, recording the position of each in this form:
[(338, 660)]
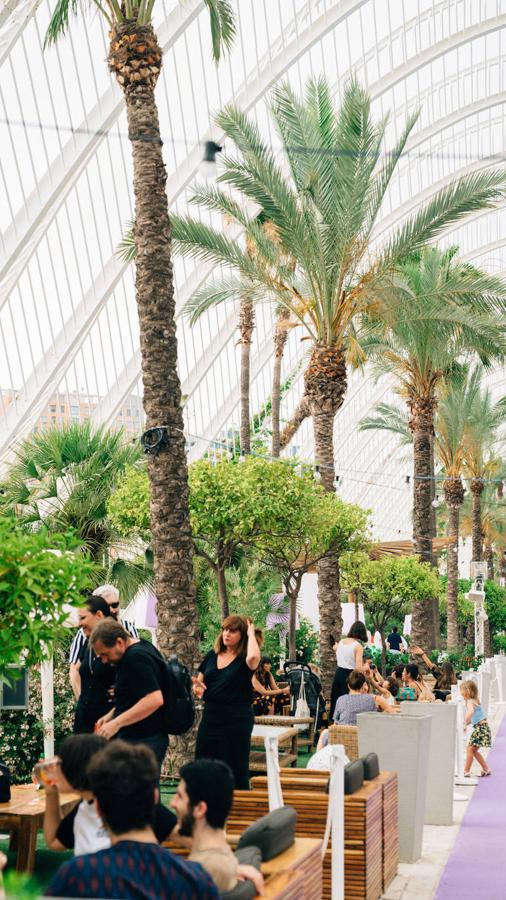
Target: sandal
[(484, 774), (467, 775)]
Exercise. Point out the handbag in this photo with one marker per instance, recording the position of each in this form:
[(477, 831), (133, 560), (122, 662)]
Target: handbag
[(5, 784), (302, 708)]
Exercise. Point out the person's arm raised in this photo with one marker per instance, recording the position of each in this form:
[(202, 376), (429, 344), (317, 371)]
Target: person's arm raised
[(252, 650)]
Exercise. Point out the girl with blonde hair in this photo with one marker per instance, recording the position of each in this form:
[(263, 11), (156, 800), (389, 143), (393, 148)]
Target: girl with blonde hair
[(480, 735)]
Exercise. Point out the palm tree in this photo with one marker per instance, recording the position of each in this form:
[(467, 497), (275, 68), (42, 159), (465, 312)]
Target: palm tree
[(481, 463), (62, 479), (451, 311), (455, 410), (324, 203), (246, 326), (135, 58)]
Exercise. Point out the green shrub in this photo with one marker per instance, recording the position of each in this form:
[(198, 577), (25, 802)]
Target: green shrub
[(22, 733)]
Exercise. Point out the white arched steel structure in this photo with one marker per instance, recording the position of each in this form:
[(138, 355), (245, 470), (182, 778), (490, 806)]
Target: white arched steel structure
[(67, 312)]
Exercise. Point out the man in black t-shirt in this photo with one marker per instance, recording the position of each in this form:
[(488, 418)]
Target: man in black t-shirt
[(395, 640), (137, 716)]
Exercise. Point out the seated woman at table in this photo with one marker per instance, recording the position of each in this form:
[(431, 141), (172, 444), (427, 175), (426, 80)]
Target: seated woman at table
[(82, 829), (358, 700), (413, 685), (445, 675), (268, 698)]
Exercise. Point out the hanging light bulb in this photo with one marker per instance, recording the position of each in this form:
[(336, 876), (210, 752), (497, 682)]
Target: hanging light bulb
[(317, 474), (408, 480), (298, 469), (208, 167), (436, 502), (230, 455), (242, 457)]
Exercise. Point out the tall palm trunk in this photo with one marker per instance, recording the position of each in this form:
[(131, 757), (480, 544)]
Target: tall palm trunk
[(300, 414), (454, 497), (489, 556), (477, 487), (325, 387), (422, 426), (436, 617), (246, 325), (280, 338), (135, 57)]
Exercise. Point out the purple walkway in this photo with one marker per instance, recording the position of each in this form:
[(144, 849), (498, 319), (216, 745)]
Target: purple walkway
[(476, 868)]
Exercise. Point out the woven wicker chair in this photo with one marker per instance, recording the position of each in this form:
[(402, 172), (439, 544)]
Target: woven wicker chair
[(347, 735)]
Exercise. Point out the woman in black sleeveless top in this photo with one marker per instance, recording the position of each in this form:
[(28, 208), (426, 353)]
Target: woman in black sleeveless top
[(96, 685), (224, 682)]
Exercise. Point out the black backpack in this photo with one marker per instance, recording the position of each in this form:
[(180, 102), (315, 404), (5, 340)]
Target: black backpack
[(178, 707)]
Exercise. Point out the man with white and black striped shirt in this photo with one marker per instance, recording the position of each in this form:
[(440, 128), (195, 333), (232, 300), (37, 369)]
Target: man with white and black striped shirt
[(110, 594)]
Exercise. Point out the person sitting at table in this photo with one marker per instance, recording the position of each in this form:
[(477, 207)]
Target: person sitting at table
[(413, 685), (93, 679), (388, 688), (82, 829), (123, 778), (268, 698), (358, 700)]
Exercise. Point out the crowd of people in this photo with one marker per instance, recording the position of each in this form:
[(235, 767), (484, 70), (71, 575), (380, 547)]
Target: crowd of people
[(114, 758)]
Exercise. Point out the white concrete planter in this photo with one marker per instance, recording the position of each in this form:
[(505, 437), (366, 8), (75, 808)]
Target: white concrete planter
[(440, 780), (402, 744)]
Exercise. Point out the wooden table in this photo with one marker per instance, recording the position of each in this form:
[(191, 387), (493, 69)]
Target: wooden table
[(23, 815), (287, 743)]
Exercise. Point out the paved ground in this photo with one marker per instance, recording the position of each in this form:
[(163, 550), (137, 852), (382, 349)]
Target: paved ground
[(419, 881)]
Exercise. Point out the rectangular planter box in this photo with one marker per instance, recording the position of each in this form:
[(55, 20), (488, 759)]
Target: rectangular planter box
[(440, 780), (402, 744)]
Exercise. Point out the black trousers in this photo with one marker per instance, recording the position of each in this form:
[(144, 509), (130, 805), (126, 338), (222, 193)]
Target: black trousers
[(339, 688), (225, 733), (87, 714), (158, 743)]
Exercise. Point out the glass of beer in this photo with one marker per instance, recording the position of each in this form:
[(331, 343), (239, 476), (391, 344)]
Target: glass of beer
[(46, 771)]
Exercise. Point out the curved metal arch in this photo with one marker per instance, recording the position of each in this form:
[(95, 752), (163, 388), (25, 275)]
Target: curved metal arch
[(20, 16), (485, 248), (32, 221)]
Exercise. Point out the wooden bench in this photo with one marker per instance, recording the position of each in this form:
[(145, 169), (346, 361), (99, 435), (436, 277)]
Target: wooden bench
[(362, 823), (311, 780), (295, 874), (23, 815), (287, 743)]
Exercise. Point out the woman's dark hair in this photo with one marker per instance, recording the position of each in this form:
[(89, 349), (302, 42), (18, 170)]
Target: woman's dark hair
[(413, 671), (398, 670), (97, 604), (124, 778), (235, 623), (211, 781), (75, 753), (355, 680), (358, 631), (261, 675), (393, 685), (446, 678)]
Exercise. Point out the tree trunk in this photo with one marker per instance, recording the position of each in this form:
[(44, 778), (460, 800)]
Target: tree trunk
[(292, 630), (489, 556), (222, 591), (436, 617), (477, 486), (454, 497), (300, 413), (422, 628), (280, 338), (246, 325), (383, 653), (171, 537), (325, 383)]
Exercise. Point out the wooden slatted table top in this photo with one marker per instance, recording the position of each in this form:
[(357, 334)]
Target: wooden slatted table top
[(26, 800), (262, 731)]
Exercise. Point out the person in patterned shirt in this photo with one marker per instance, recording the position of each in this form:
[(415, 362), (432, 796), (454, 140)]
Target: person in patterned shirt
[(124, 781), (110, 594)]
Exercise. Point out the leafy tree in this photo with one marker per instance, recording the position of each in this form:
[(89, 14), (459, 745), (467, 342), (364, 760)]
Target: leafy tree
[(135, 59), (388, 587), (39, 574), (449, 309), (323, 203)]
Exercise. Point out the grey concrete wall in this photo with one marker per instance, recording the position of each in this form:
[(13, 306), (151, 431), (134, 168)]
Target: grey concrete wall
[(440, 779), (402, 744)]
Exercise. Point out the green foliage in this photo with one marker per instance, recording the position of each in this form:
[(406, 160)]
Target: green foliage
[(20, 887), (128, 505), (499, 643), (495, 606), (39, 573), (22, 732), (465, 607), (391, 659), (307, 641)]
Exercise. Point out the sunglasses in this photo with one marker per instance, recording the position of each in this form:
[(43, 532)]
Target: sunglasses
[(114, 605)]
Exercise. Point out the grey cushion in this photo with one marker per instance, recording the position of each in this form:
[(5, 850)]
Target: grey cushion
[(273, 833), (245, 890), (371, 766), (353, 776)]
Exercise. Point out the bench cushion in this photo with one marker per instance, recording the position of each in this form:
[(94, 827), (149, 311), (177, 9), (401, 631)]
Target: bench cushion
[(272, 834)]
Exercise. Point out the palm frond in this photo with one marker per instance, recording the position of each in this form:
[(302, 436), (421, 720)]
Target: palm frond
[(388, 417), (223, 30), (127, 249)]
